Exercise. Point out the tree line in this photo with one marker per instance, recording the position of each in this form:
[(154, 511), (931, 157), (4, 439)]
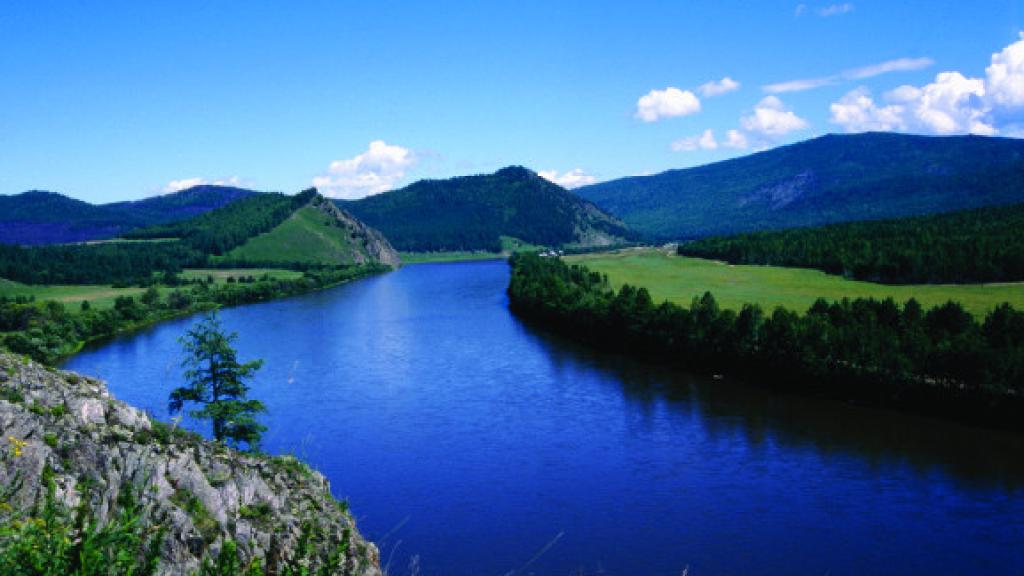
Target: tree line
[(982, 245), (937, 360)]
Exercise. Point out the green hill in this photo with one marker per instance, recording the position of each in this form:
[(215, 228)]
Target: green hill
[(474, 212), (834, 178), (38, 217), (284, 231), (317, 233)]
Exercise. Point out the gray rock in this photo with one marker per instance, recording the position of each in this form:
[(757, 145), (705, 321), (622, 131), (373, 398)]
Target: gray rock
[(201, 491)]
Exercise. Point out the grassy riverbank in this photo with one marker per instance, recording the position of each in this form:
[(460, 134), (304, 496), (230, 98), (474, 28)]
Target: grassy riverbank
[(49, 330), (679, 279)]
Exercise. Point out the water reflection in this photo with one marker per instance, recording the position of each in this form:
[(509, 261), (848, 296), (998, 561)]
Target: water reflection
[(976, 458)]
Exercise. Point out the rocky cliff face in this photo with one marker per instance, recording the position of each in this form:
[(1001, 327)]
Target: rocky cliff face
[(200, 492), (373, 243)]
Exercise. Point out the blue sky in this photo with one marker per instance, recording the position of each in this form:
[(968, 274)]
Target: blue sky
[(110, 101)]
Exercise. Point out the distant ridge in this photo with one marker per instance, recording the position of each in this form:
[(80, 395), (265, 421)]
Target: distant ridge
[(834, 178), (39, 217), (474, 212)]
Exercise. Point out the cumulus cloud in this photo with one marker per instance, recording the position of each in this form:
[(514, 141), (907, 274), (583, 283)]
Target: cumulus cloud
[(376, 170), (1005, 76), (857, 112), (770, 118), (705, 141), (717, 88), (571, 179), (951, 104), (185, 183), (861, 73), (658, 104), (735, 139)]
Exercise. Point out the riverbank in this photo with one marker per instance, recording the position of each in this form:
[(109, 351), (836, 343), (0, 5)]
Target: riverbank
[(937, 361), (49, 332)]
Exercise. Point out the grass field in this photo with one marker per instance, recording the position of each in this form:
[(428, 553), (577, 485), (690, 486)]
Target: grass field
[(71, 295), (220, 276), (679, 279), (309, 235)]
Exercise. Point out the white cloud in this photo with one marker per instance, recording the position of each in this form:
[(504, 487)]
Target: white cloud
[(735, 139), (1005, 76), (571, 179), (185, 183), (897, 65), (799, 85), (861, 73), (771, 118), (835, 9), (666, 103), (372, 172), (951, 104), (857, 112), (705, 141), (717, 88)]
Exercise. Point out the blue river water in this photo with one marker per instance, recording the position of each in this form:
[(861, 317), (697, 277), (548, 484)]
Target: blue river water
[(482, 446)]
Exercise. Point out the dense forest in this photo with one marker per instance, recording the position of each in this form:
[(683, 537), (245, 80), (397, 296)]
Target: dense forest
[(881, 352), (834, 178), (48, 331), (39, 217), (118, 263), (473, 212), (982, 245)]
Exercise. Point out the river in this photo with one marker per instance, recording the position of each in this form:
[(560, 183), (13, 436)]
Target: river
[(487, 447)]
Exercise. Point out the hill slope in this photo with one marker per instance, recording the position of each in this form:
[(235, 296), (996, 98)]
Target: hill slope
[(835, 178), (473, 212), (38, 217), (317, 233), (67, 430)]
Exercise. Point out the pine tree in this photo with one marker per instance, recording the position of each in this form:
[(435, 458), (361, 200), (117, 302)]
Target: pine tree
[(217, 381)]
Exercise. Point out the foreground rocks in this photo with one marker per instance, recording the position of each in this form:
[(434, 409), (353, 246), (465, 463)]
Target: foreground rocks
[(200, 492)]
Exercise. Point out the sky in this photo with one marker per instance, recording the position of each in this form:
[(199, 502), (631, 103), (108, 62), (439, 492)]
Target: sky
[(108, 101)]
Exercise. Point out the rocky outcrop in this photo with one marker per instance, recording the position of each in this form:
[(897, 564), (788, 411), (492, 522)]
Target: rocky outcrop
[(202, 493), (374, 246)]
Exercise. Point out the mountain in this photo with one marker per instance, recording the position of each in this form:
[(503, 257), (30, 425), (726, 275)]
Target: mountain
[(275, 228), (834, 178), (75, 455), (39, 217), (474, 212)]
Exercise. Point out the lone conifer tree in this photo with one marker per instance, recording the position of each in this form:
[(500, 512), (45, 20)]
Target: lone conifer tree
[(216, 381)]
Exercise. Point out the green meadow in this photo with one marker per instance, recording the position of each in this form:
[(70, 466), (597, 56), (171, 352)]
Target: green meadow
[(678, 279), (71, 295)]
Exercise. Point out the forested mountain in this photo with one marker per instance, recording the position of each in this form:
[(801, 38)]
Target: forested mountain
[(980, 245), (834, 178), (473, 212), (39, 217)]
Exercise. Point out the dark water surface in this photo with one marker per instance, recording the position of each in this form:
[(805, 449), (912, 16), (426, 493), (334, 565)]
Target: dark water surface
[(486, 447)]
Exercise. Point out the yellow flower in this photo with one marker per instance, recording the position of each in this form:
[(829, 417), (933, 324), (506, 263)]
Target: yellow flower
[(19, 445)]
